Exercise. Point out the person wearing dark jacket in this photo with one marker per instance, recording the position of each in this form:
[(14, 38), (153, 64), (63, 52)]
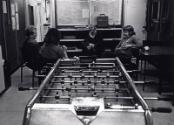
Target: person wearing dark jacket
[(93, 43)]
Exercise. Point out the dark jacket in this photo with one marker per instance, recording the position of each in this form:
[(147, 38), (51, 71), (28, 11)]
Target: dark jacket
[(97, 41), (30, 54)]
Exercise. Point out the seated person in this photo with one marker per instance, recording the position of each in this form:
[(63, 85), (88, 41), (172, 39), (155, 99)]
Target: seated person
[(30, 40), (93, 43), (30, 49), (51, 49), (128, 46)]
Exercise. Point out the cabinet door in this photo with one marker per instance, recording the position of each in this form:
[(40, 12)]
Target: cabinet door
[(2, 83), (157, 20)]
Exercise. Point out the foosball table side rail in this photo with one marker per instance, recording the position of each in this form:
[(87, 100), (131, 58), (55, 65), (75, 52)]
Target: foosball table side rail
[(35, 98), (148, 116)]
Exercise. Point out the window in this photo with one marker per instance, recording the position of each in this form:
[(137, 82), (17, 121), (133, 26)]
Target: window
[(31, 14), (85, 12)]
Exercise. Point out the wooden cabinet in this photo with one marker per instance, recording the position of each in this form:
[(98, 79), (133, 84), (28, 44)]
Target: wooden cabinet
[(73, 37), (159, 20), (111, 37), (12, 35)]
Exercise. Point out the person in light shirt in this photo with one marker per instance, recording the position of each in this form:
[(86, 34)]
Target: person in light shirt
[(129, 45)]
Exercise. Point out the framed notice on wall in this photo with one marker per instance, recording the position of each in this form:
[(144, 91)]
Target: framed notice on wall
[(110, 8), (85, 12), (72, 12)]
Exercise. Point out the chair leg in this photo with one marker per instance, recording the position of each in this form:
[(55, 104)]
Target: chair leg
[(21, 74), (144, 74), (20, 87), (39, 79), (33, 75)]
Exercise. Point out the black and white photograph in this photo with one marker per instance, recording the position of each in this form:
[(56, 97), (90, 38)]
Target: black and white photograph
[(86, 62)]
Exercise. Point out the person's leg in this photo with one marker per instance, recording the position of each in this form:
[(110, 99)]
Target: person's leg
[(123, 55)]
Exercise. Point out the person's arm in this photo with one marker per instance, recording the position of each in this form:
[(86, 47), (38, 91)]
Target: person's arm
[(86, 41), (133, 42), (137, 41), (65, 51), (61, 51), (117, 48), (119, 44)]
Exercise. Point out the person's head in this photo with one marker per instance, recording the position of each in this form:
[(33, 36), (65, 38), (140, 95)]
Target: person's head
[(30, 32), (92, 31), (52, 36), (128, 31)]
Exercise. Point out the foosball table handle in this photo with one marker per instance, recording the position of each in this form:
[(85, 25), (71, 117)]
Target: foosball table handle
[(165, 98), (25, 88), (161, 110)]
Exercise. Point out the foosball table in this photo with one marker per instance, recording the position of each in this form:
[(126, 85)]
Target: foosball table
[(96, 93)]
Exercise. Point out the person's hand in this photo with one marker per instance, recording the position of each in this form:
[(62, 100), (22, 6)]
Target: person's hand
[(64, 51), (76, 58), (117, 48), (128, 45), (146, 48), (64, 47), (90, 46)]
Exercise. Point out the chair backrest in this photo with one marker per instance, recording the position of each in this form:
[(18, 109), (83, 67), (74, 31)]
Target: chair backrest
[(135, 51), (30, 54)]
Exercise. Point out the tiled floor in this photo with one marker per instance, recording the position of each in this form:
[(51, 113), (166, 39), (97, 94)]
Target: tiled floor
[(13, 102)]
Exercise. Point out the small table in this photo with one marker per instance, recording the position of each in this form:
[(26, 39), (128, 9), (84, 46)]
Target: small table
[(157, 52), (161, 57)]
